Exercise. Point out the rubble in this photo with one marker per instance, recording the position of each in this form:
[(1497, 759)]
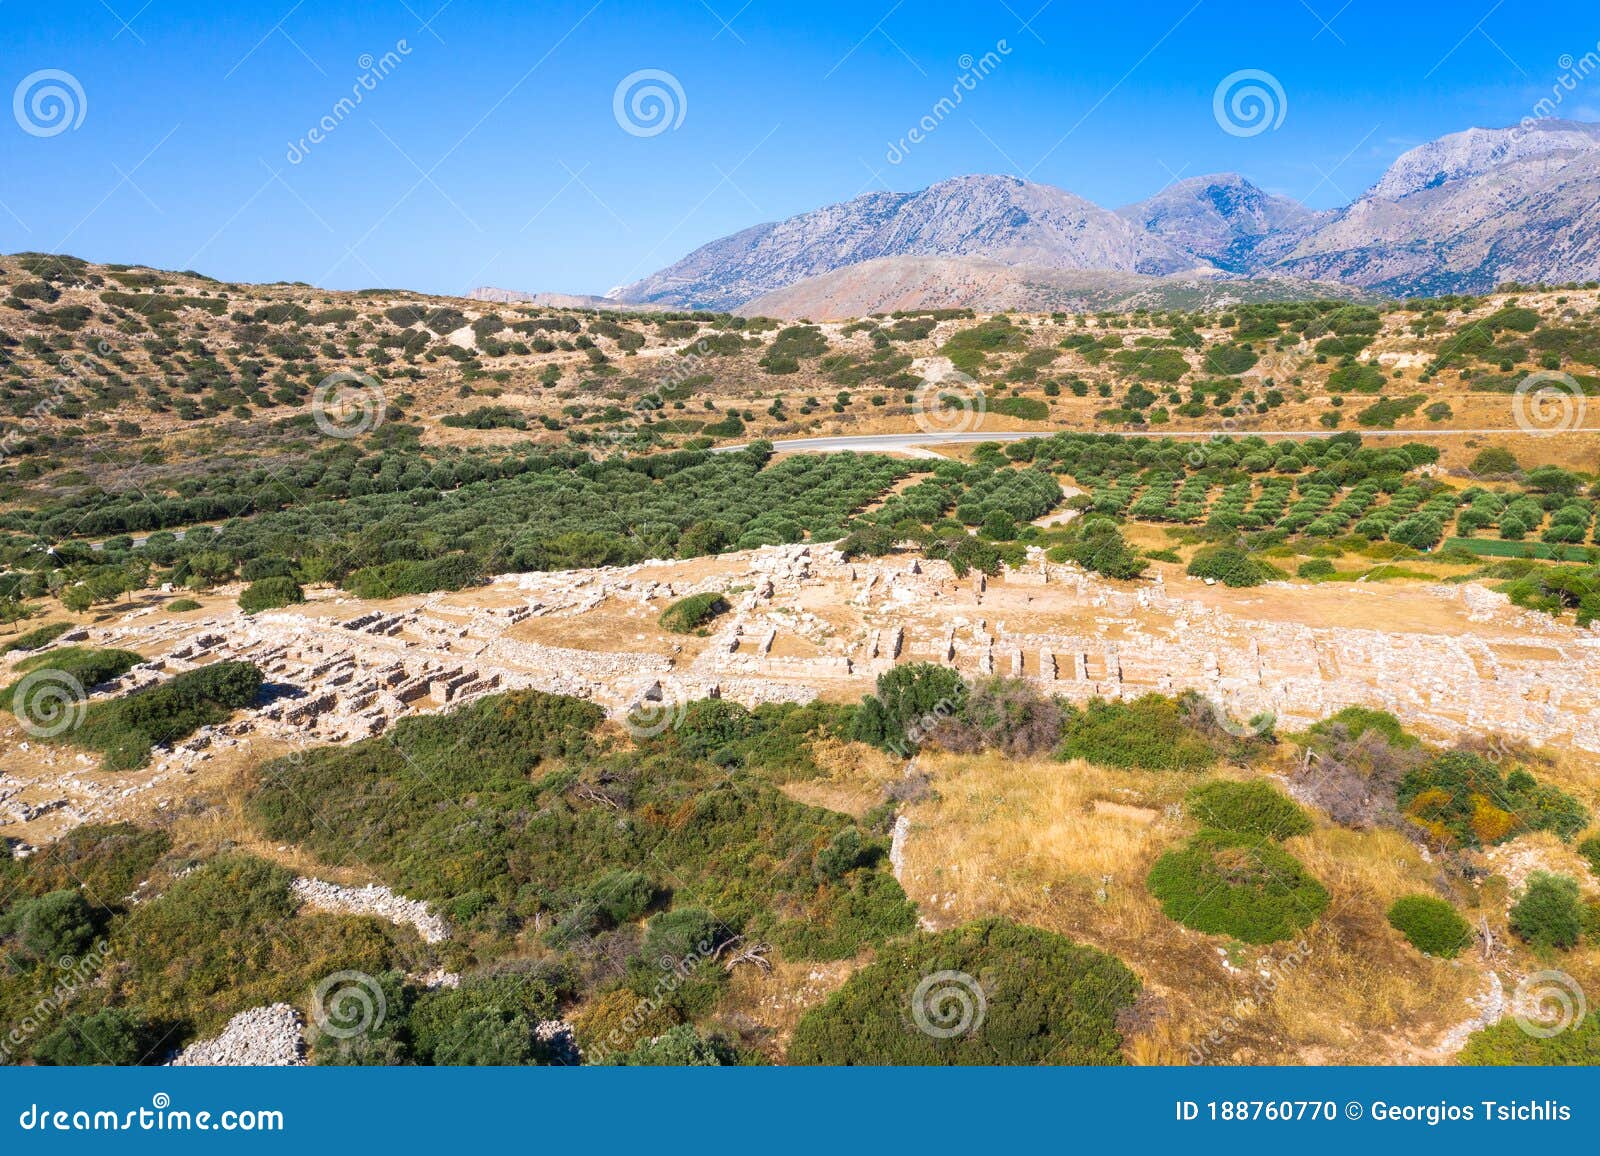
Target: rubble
[(372, 899), (264, 1037)]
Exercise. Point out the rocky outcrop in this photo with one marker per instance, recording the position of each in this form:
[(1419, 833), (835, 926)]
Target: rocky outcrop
[(1224, 220)]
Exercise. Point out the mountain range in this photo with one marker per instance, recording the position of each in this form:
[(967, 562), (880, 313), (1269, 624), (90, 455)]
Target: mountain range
[(1461, 214)]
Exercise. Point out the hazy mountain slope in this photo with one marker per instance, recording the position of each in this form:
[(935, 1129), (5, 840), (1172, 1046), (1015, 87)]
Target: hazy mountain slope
[(1224, 220), (1000, 219), (1468, 212), (891, 283)]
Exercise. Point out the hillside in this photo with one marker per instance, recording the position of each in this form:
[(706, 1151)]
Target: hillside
[(1241, 702)]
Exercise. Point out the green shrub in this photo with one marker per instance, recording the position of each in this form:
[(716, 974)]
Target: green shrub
[(1231, 566), (85, 665), (687, 615), (180, 605), (37, 637), (1316, 568), (519, 833), (1026, 408), (484, 1022), (1227, 883), (270, 593), (1430, 925), (393, 579), (1460, 798), (621, 895), (678, 1047), (912, 700), (108, 1036), (1253, 808), (106, 860), (994, 992), (1506, 1043), (1549, 914), (1151, 733), (1590, 850), (56, 925), (125, 728), (226, 937), (1356, 721)]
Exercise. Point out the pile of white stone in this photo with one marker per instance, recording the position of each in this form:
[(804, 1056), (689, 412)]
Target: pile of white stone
[(372, 899), (263, 1037)]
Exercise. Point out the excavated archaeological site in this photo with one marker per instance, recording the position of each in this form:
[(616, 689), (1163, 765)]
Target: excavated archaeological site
[(804, 624)]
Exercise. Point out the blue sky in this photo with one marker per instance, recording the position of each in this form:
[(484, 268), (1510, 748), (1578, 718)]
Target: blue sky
[(490, 152)]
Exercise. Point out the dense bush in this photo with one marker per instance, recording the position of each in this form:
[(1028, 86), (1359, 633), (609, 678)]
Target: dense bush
[(1096, 544), (108, 1036), (912, 700), (1430, 925), (1253, 808), (1355, 721), (1002, 714), (124, 729), (996, 992), (1506, 1043), (1227, 883), (57, 925), (678, 1047), (1590, 850), (270, 593), (484, 1022), (1549, 913), (1461, 799), (224, 938), (1230, 566), (85, 665), (393, 579), (106, 861), (1151, 733), (687, 615), (37, 637), (526, 830)]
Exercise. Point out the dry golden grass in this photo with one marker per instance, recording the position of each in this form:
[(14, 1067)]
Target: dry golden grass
[(854, 777), (1027, 840), (764, 1008)]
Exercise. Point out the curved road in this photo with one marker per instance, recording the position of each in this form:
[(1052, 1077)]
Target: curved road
[(919, 442)]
